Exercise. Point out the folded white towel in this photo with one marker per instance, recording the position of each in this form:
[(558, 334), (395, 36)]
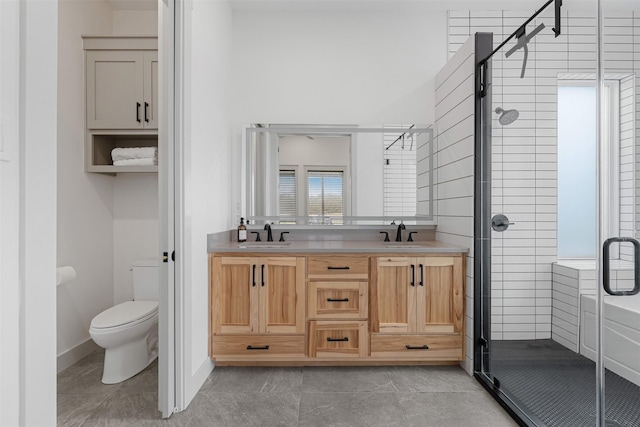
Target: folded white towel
[(135, 162), (125, 153)]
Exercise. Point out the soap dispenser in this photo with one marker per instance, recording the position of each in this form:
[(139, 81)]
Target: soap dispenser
[(242, 231)]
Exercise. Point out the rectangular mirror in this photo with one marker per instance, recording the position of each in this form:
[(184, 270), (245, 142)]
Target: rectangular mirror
[(339, 174)]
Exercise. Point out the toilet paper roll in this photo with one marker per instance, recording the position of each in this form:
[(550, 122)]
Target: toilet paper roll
[(65, 274)]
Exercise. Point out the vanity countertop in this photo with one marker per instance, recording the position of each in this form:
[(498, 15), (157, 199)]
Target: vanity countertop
[(336, 246)]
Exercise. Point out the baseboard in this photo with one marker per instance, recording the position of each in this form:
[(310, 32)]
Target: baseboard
[(76, 353)]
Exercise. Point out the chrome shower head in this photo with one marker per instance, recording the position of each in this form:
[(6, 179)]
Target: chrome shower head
[(507, 116)]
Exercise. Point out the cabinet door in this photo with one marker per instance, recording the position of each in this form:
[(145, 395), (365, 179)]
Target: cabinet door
[(394, 295), (150, 113), (282, 295), (114, 89), (440, 294), (235, 294)]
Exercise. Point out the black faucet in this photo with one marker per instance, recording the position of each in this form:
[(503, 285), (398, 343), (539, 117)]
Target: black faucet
[(399, 233), (267, 227)]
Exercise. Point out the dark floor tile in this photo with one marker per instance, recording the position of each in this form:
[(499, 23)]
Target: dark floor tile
[(432, 379), (244, 409), (350, 410), (346, 379), (127, 409), (254, 380), (459, 409)]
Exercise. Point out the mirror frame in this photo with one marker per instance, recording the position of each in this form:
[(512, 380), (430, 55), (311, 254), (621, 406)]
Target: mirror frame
[(303, 129)]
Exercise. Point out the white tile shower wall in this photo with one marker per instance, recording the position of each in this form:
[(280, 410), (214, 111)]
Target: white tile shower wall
[(524, 153), (627, 170), (454, 112)]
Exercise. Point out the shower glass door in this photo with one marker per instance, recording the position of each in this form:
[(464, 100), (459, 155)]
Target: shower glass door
[(541, 289)]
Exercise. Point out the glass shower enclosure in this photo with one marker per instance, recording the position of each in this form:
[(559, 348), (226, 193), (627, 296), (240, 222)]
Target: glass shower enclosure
[(557, 329)]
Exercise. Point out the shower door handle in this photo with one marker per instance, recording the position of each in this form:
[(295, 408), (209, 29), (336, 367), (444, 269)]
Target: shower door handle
[(606, 267)]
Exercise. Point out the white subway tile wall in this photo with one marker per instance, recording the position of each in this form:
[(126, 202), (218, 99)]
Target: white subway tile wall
[(454, 112), (524, 163)]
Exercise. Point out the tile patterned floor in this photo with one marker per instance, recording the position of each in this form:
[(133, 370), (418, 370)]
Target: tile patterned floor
[(306, 397)]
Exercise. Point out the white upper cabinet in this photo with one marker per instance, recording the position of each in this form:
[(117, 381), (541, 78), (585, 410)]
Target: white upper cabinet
[(121, 84)]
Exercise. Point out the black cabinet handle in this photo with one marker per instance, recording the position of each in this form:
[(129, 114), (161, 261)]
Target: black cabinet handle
[(413, 275), (337, 268), (421, 275), (345, 339), (338, 300), (262, 274), (138, 112), (606, 268), (250, 347), (422, 347), (253, 276), (146, 114)]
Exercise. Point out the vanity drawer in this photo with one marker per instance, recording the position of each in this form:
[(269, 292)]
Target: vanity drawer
[(258, 345), (329, 339), (338, 300), (425, 347), (340, 267)]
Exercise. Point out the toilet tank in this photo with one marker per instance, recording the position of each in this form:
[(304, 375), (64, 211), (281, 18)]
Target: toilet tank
[(145, 280)]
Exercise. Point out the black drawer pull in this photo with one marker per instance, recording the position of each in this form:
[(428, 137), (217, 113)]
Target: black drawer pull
[(345, 339), (138, 112), (338, 300), (262, 275), (411, 347), (338, 268), (146, 112), (250, 347), (413, 275)]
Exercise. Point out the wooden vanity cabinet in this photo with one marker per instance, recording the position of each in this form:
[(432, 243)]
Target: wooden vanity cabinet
[(257, 304), (417, 307)]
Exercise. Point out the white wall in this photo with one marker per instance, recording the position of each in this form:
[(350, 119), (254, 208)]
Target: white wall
[(336, 67), (104, 222), (37, 235), (207, 179), (85, 201), (454, 96)]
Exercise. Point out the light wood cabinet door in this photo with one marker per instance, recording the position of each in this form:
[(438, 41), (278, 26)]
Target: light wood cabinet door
[(394, 295), (282, 295), (440, 295), (258, 295), (235, 295)]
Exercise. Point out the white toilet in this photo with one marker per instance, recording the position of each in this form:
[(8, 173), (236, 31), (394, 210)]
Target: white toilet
[(129, 331)]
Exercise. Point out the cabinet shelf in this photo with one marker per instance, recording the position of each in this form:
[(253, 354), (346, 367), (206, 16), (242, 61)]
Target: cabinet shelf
[(99, 146)]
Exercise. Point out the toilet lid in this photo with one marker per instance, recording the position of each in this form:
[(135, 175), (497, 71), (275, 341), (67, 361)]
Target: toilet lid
[(127, 312)]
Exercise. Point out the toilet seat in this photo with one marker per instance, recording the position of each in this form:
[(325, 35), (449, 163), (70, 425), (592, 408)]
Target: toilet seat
[(127, 314)]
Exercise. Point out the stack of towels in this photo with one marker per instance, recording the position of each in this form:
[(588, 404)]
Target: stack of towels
[(135, 156)]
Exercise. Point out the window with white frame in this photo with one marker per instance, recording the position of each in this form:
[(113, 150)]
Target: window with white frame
[(288, 196), (325, 196)]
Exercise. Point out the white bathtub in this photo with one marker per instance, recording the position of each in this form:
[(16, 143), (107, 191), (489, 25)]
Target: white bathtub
[(622, 333)]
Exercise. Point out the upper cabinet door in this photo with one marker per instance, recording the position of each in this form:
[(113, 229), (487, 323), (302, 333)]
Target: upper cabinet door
[(440, 295), (114, 86), (282, 295), (394, 295), (150, 90)]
